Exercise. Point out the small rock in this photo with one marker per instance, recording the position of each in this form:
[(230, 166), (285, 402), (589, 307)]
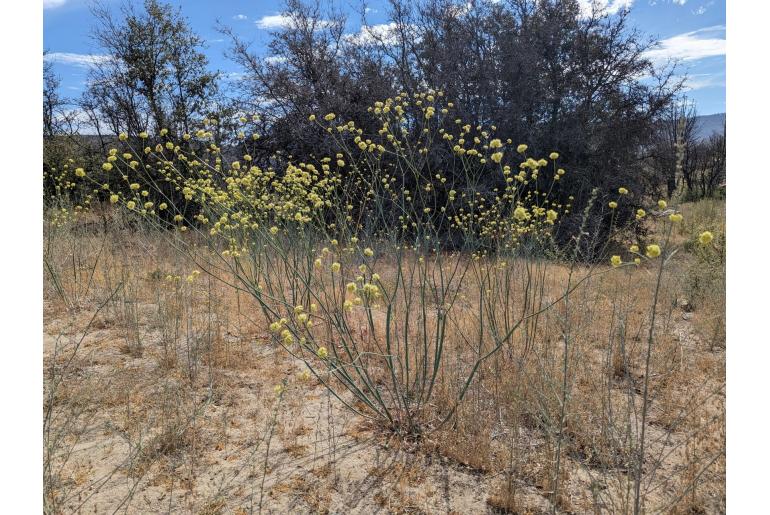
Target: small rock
[(686, 316)]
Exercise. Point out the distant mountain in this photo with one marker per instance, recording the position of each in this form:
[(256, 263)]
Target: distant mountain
[(709, 124)]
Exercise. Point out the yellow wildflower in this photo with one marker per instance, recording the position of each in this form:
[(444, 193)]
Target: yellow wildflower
[(653, 251), (705, 238)]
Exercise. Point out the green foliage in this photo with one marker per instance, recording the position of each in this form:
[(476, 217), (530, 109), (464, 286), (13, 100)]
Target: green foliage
[(156, 75)]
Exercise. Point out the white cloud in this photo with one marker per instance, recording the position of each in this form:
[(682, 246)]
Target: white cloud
[(680, 2), (372, 34), (81, 60), (384, 33), (284, 21), (275, 59), (50, 4), (703, 8), (240, 17), (690, 46), (608, 6), (704, 80), (275, 21), (78, 120)]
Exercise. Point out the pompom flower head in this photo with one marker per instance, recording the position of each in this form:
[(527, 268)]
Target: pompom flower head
[(653, 251), (705, 238)]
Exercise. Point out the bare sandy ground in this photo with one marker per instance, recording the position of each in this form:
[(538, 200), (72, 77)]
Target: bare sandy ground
[(139, 439), (145, 432)]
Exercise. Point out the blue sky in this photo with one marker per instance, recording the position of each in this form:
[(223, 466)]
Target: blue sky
[(692, 31)]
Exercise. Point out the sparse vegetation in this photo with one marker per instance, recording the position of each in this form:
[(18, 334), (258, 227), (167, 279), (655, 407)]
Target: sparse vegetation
[(507, 355), (418, 315)]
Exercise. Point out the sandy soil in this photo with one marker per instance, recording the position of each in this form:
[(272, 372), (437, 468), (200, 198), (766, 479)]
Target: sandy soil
[(136, 448), (145, 431)]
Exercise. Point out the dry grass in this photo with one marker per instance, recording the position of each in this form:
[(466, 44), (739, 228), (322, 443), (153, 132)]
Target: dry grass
[(160, 397)]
